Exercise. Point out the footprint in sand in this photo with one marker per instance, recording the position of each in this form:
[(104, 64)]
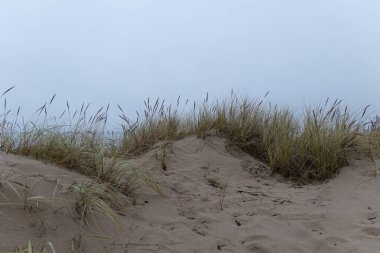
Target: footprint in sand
[(372, 231), (322, 198), (257, 248), (371, 215), (255, 243), (325, 193), (188, 213)]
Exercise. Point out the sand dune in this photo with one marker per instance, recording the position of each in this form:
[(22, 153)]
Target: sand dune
[(218, 199)]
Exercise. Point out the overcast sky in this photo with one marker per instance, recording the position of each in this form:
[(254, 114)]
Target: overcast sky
[(122, 52)]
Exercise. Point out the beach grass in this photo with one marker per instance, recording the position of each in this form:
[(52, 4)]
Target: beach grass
[(305, 147)]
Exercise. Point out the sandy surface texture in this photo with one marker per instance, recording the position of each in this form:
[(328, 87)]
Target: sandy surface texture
[(218, 199)]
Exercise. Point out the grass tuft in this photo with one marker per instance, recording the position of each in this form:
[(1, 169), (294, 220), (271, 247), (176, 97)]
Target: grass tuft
[(307, 147)]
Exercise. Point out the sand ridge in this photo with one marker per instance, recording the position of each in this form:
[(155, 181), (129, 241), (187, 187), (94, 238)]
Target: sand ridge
[(218, 199)]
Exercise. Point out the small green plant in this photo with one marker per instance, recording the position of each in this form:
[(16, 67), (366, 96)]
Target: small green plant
[(46, 248)]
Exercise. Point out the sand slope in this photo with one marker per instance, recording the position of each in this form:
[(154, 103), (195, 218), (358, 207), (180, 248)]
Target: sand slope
[(52, 221), (217, 201)]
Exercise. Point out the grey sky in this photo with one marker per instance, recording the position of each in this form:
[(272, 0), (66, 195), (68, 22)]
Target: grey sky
[(302, 51)]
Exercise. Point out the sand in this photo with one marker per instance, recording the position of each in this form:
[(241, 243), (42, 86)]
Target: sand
[(218, 199)]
